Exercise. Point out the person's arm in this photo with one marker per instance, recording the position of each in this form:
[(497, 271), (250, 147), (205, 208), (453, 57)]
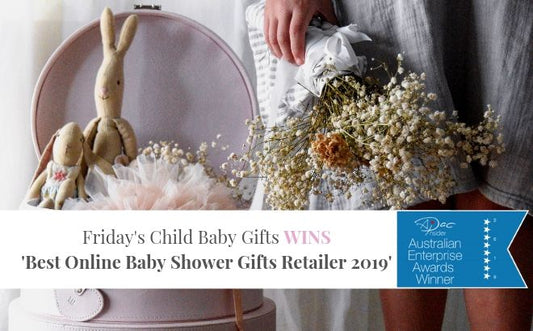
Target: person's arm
[(286, 22)]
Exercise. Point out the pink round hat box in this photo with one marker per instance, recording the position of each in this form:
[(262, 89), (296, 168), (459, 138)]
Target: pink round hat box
[(182, 83)]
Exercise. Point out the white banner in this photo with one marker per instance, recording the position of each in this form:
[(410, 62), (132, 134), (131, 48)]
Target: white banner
[(198, 249)]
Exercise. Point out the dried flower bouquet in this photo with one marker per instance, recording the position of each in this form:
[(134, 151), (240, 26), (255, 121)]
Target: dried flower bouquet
[(360, 131)]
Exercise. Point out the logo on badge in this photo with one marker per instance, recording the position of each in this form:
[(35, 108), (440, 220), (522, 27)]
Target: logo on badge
[(432, 226)]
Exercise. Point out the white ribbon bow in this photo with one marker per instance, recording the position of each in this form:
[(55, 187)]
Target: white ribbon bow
[(328, 54)]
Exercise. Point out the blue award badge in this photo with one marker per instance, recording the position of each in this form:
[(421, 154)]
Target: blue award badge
[(446, 249)]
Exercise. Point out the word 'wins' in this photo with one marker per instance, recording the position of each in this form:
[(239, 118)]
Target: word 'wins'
[(307, 237)]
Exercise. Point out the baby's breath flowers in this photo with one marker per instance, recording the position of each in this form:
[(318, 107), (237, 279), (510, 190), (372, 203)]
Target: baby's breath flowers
[(173, 154), (362, 132)]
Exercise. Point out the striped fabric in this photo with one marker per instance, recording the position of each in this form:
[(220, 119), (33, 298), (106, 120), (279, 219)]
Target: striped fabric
[(276, 89), (265, 63)]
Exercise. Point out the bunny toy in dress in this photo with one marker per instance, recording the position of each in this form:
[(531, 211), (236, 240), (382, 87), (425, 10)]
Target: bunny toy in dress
[(58, 175), (110, 136)]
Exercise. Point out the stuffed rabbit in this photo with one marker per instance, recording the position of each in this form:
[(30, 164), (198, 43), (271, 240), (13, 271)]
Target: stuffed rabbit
[(58, 175), (109, 136)]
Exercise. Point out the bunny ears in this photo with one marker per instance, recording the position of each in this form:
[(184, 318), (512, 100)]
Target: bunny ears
[(107, 28)]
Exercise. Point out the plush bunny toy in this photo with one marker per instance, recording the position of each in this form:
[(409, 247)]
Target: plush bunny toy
[(58, 176), (111, 137)]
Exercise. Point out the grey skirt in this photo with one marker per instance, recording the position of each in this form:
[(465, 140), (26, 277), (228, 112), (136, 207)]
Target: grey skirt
[(474, 53)]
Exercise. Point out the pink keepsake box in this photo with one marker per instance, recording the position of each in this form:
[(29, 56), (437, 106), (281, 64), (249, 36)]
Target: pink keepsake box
[(182, 83)]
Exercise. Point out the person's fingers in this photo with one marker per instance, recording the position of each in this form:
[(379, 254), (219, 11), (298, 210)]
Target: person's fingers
[(284, 38), (297, 32), (286, 23), (273, 37)]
